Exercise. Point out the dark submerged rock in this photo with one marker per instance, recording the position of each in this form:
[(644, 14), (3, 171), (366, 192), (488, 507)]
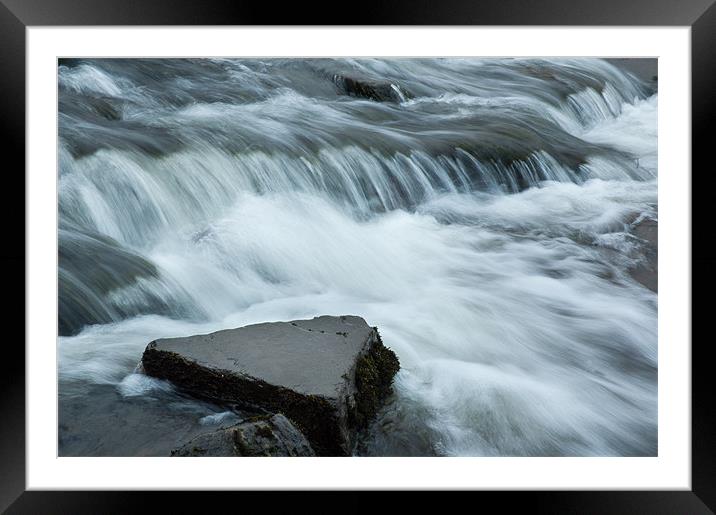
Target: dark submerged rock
[(380, 91), (268, 435), (90, 266), (646, 271), (644, 69), (70, 62), (328, 375)]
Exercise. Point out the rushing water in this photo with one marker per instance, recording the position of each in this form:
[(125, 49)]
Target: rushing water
[(480, 218)]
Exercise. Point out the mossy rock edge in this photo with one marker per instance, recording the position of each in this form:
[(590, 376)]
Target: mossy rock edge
[(374, 375)]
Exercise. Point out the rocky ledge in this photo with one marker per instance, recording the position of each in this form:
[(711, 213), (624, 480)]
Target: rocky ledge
[(267, 435), (328, 376)]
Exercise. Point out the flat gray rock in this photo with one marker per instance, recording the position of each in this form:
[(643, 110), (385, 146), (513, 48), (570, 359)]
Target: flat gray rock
[(269, 435), (329, 375)]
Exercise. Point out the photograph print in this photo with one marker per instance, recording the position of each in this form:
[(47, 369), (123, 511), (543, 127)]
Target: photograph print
[(357, 257)]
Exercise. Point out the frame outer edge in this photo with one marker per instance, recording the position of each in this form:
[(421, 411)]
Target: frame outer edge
[(12, 380), (12, 256), (703, 114), (393, 12)]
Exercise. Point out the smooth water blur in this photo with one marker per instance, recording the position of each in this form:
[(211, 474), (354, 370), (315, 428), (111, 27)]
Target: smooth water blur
[(482, 225)]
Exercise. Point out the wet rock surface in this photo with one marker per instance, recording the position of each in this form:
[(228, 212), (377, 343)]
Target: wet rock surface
[(644, 69), (107, 423), (646, 270), (268, 435), (89, 261), (328, 375), (379, 91)]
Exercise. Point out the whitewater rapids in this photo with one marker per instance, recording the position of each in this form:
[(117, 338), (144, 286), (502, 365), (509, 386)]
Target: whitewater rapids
[(482, 223)]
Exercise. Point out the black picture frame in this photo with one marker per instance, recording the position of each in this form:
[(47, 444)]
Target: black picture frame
[(17, 15)]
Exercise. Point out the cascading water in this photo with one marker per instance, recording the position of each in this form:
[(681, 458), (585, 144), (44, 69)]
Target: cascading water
[(479, 217)]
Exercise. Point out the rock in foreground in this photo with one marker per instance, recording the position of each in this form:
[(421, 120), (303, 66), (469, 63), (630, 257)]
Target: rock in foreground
[(328, 375), (269, 435)]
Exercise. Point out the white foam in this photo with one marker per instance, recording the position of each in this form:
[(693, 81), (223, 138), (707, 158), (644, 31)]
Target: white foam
[(136, 385), (217, 419), (86, 78), (488, 326)]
